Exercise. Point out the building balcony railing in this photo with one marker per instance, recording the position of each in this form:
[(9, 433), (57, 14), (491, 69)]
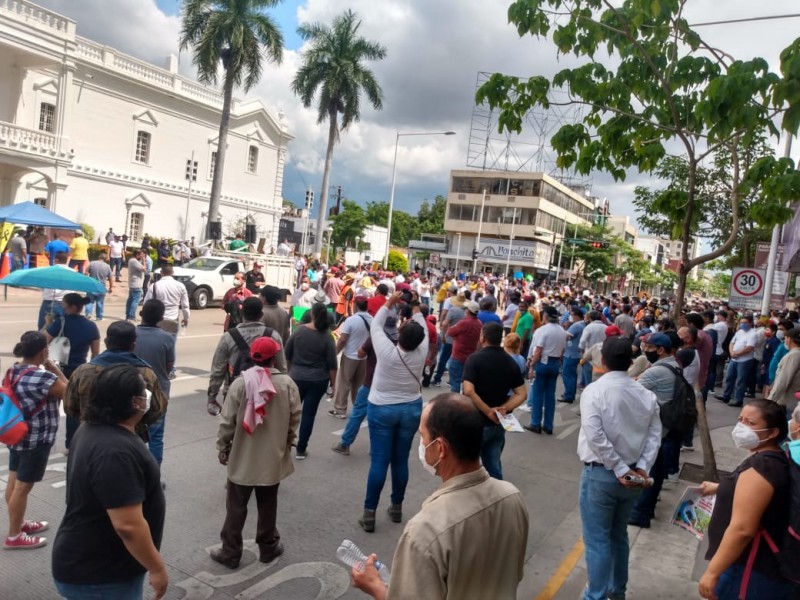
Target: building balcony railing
[(31, 142), (35, 15)]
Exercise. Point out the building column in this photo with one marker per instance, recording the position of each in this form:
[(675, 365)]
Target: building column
[(64, 105), (8, 190)]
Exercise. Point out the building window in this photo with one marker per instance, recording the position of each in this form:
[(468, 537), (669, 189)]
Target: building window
[(47, 117), (40, 202), (142, 147), (252, 159), (136, 226), (211, 164)]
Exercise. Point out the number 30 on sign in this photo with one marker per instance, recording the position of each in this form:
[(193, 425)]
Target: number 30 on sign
[(748, 282)]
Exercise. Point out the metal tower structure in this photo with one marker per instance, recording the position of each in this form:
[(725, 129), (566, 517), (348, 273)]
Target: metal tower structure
[(528, 151)]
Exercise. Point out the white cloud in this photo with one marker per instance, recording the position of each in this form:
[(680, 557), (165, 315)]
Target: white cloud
[(435, 50)]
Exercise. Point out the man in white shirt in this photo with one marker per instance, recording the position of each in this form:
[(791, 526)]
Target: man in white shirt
[(547, 348), (172, 294), (619, 438), (51, 297), (741, 350), (115, 251), (352, 367), (594, 333)]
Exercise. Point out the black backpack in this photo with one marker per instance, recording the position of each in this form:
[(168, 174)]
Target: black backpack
[(234, 310), (679, 414), (243, 360)]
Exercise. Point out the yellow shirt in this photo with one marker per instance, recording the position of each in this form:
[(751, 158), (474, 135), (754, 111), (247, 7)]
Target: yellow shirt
[(79, 248)]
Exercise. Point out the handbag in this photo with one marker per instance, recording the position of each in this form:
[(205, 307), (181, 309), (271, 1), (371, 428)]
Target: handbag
[(60, 347)]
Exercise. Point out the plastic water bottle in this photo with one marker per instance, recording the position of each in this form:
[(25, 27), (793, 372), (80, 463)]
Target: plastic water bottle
[(351, 555), (183, 329)]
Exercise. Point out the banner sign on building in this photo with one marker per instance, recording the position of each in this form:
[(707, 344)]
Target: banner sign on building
[(780, 282), (523, 252)]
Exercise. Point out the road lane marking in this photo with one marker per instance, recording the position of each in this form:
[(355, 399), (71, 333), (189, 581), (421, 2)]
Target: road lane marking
[(568, 431), (562, 572), (341, 431)]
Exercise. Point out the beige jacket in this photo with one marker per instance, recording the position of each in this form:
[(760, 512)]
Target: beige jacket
[(467, 543), (787, 380), (263, 458)]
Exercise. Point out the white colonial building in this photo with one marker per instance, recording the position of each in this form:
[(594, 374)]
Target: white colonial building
[(103, 138)]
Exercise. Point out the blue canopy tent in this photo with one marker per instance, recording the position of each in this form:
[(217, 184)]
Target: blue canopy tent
[(29, 213)]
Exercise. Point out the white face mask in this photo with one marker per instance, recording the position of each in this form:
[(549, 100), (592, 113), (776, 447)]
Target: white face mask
[(147, 397), (304, 287), (781, 334), (238, 283), (746, 438), (429, 468)]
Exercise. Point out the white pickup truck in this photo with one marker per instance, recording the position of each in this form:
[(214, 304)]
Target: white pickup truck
[(208, 278)]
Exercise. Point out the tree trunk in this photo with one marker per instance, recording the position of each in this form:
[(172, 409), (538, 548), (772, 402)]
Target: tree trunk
[(326, 177), (709, 460), (222, 145)]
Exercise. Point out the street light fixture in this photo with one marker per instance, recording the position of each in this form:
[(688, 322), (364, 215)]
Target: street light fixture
[(394, 180)]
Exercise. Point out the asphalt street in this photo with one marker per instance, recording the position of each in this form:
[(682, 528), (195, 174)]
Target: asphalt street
[(318, 505)]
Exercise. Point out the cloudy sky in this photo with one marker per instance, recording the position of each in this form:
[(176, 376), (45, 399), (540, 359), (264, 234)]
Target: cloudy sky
[(435, 52)]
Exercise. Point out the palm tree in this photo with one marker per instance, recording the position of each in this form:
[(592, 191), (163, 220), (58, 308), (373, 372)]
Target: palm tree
[(234, 33), (333, 65)]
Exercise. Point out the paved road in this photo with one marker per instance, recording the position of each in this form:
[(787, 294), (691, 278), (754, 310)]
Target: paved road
[(318, 506)]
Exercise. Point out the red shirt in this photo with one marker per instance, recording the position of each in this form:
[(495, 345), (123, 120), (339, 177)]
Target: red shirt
[(465, 334), (374, 304)]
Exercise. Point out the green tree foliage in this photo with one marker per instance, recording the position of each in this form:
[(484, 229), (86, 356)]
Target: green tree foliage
[(661, 85), (431, 216), (88, 232), (662, 216), (348, 225), (333, 65), (397, 262), (405, 227), (232, 34)]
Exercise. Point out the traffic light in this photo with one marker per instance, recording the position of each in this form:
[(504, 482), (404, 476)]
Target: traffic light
[(191, 170), (309, 199), (474, 254), (596, 244)]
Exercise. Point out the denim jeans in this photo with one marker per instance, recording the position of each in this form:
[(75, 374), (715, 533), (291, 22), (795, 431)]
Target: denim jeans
[(132, 589), (444, 356), (543, 393), (17, 264), (98, 304), (49, 307), (494, 440), (156, 443), (116, 266), (391, 431), (134, 296), (736, 381), (757, 588), (605, 506), (569, 373), (356, 417), (456, 370), (586, 374), (77, 264), (311, 392)]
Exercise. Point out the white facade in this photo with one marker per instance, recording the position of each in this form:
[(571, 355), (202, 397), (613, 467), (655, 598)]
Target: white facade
[(653, 250), (103, 138), (376, 237)]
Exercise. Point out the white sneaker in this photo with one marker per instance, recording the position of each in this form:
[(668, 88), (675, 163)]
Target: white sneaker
[(524, 408)]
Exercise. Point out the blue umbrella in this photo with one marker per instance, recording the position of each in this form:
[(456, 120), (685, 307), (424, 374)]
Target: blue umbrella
[(53, 277)]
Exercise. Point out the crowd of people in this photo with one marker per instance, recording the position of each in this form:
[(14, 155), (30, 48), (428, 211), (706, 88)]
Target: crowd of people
[(372, 340)]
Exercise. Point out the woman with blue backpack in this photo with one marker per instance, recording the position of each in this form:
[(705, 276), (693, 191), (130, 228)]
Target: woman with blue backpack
[(32, 389)]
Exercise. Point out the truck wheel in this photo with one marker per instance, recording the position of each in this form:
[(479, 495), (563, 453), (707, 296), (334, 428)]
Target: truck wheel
[(200, 298)]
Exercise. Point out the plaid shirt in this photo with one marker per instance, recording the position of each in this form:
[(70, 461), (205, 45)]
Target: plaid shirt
[(31, 390)]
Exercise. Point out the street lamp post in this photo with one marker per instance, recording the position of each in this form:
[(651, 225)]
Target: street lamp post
[(394, 181), (478, 239), (458, 251)]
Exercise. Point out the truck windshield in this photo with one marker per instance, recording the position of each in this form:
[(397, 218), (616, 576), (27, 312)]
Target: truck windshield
[(203, 263)]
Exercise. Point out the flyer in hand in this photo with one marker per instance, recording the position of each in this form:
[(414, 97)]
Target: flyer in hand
[(694, 512)]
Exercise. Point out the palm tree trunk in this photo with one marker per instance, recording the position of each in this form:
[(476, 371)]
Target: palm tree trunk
[(326, 177), (222, 146)]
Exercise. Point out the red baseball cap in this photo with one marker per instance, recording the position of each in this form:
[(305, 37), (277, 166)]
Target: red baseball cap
[(264, 348)]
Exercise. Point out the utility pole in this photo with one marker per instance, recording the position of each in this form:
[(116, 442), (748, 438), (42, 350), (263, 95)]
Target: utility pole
[(773, 247), (191, 176), (309, 205), (478, 239)]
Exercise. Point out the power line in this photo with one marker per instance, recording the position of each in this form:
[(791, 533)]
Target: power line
[(746, 20)]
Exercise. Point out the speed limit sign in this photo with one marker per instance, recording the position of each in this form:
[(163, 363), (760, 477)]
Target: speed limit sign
[(747, 288)]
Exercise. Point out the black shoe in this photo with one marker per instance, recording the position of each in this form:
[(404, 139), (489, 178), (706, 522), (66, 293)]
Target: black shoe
[(229, 561), (722, 398), (565, 401), (533, 428), (367, 521), (270, 555), (548, 431), (735, 404), (750, 395), (396, 513), (642, 524)]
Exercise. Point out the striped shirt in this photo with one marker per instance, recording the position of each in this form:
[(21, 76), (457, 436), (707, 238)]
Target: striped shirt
[(31, 385)]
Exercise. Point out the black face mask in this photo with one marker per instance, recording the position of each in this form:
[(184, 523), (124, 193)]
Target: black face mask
[(652, 356)]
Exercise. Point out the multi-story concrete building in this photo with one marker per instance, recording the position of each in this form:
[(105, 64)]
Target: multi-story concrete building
[(622, 227), (675, 249), (510, 218), (106, 139), (653, 250)]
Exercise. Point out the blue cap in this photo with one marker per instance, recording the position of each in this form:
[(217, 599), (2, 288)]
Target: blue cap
[(658, 339)]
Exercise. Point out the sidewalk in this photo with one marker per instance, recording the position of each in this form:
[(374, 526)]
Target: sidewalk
[(666, 561)]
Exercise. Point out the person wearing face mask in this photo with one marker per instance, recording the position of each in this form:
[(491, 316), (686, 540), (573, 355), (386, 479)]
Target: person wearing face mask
[(232, 302), (741, 350), (784, 326), (471, 519), (114, 498), (753, 499), (787, 376), (793, 445)]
